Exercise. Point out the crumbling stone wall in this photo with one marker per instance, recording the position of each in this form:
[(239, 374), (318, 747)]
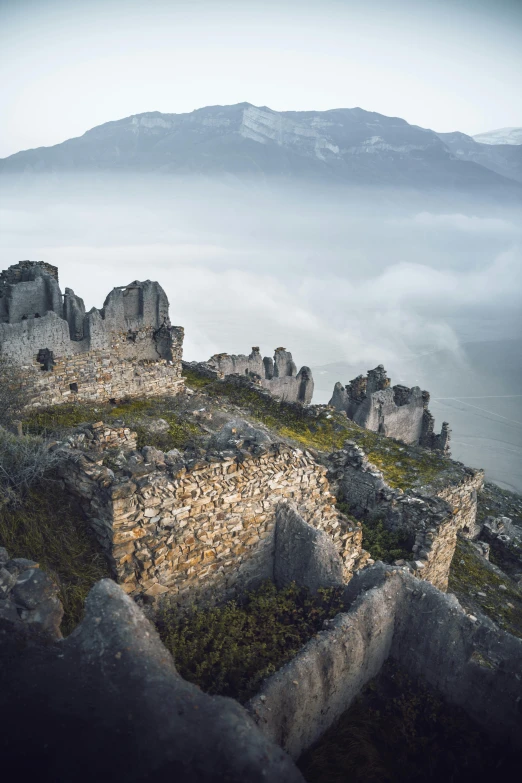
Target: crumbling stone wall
[(431, 519), (173, 525), (391, 614), (127, 348), (278, 375), (397, 412)]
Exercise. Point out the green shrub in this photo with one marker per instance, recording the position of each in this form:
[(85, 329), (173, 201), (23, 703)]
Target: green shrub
[(136, 413), (381, 543), (48, 527), (471, 578), (229, 650)]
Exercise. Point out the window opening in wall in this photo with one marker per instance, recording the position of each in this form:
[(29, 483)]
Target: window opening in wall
[(45, 357), (73, 387)]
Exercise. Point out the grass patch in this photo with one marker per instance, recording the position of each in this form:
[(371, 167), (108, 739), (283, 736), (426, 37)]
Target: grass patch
[(470, 575), (136, 413), (194, 380), (400, 730), (229, 650), (48, 527), (381, 543)]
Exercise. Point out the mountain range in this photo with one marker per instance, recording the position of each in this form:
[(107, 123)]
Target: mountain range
[(347, 146)]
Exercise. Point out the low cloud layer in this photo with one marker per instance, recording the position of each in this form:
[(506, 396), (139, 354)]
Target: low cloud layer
[(333, 275)]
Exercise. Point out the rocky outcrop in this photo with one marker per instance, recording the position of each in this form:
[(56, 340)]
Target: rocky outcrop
[(29, 604), (278, 375), (127, 348), (107, 704), (395, 411)]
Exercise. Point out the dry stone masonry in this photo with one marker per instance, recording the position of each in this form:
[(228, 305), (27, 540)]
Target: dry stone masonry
[(128, 348), (430, 520), (395, 411), (174, 525)]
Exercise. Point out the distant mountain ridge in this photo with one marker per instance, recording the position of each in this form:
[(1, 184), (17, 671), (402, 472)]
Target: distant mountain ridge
[(351, 146)]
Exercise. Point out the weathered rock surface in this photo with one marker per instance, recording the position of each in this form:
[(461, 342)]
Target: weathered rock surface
[(107, 704), (29, 604), (279, 375), (304, 554), (397, 412), (392, 614)]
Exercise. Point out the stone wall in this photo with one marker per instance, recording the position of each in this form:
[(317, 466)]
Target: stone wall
[(397, 412), (430, 520), (391, 614), (128, 348), (101, 375), (180, 526)]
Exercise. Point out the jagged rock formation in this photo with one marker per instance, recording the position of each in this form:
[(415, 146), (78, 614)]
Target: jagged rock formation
[(126, 348), (278, 375), (395, 411)]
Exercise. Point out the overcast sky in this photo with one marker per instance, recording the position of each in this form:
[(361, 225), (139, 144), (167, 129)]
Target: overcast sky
[(68, 65)]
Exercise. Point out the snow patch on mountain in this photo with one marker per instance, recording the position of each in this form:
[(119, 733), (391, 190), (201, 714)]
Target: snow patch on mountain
[(500, 136)]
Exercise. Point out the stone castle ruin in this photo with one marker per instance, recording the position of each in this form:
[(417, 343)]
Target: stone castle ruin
[(211, 523), (395, 411), (127, 348), (278, 375)]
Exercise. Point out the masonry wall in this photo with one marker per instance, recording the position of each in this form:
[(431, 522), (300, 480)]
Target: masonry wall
[(427, 633), (186, 529), (430, 520), (127, 348), (104, 374)]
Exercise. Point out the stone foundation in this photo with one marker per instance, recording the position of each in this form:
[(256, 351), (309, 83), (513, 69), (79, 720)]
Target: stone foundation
[(430, 520), (187, 527)]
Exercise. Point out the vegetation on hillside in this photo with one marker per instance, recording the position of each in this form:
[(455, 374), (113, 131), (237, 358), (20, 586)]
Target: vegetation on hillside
[(479, 587), (401, 465), (47, 526), (228, 650), (13, 392), (381, 543), (136, 413), (400, 730)]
